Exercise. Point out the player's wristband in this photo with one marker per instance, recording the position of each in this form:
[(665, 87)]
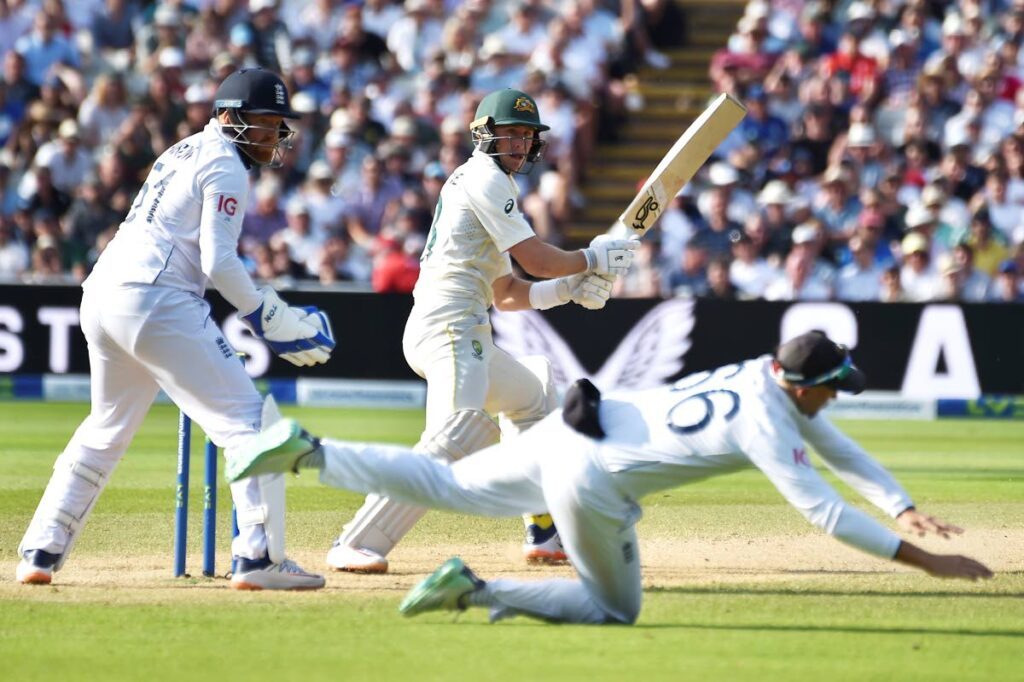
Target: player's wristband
[(548, 294), (591, 257)]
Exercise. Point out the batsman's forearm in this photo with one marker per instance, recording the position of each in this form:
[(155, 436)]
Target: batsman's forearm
[(545, 261)]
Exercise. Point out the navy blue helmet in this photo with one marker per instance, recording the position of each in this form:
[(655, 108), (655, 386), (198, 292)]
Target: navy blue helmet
[(249, 92)]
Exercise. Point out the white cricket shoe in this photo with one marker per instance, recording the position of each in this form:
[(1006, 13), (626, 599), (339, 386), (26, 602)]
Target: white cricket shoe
[(262, 574), (36, 567), (341, 557)]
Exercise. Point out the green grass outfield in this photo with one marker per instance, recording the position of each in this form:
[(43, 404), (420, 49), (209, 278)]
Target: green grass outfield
[(737, 585)]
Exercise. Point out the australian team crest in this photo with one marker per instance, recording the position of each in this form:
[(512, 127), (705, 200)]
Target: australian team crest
[(524, 104)]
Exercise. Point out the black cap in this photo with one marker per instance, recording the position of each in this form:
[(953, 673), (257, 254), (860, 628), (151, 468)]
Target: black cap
[(813, 359), (254, 91)]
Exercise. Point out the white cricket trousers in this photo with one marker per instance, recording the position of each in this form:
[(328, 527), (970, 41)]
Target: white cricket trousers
[(549, 468), (141, 339)]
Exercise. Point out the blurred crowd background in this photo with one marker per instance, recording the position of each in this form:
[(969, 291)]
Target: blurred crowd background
[(882, 157)]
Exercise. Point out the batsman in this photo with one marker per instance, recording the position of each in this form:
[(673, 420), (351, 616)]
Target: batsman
[(466, 268)]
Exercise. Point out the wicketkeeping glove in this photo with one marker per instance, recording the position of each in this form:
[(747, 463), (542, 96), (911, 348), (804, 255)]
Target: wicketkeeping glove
[(609, 256), (302, 336)]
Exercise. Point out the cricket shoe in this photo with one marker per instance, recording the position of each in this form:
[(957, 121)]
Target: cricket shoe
[(341, 557), (263, 574), (36, 567), (543, 546), (446, 589), (275, 450)]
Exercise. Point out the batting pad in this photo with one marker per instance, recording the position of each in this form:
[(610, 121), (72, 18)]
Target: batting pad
[(382, 522)]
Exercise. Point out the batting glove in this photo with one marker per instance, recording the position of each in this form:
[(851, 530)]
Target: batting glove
[(589, 290), (609, 256), (302, 336)]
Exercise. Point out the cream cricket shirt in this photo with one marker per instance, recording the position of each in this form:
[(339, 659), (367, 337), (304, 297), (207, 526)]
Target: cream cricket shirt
[(476, 222)]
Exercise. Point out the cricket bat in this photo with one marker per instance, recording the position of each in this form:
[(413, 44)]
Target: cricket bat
[(682, 162)]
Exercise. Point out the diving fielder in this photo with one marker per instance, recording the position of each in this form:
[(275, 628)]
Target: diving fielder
[(148, 328), (465, 268), (589, 464)]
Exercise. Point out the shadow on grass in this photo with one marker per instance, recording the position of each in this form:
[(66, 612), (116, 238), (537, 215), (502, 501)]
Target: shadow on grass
[(848, 629), (794, 592)]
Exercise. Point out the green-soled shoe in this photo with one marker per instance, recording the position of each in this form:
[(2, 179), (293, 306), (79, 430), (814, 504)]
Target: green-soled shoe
[(446, 589), (273, 451)]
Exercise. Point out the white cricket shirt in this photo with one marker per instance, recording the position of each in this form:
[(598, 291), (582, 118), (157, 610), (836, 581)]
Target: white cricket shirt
[(183, 227), (736, 416)]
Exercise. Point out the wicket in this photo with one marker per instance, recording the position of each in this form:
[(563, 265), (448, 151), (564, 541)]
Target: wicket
[(209, 502)]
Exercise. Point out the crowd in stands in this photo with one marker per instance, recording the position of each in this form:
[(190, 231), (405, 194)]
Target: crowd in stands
[(93, 90), (882, 159)]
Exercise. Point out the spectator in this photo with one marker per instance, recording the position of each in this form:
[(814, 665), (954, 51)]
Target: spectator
[(14, 254), (719, 286), (809, 240), (918, 279), (166, 30), (104, 110), (941, 237), (208, 39), (690, 279), (749, 272), (1006, 288), (337, 263), (271, 44), (303, 244), (714, 238), (67, 160), (318, 23), (41, 193), (371, 200), (44, 49), (264, 219), (892, 287), (798, 283), (88, 218), (989, 250), (498, 68), (973, 285), (112, 30), (726, 185), (836, 206), (324, 207), (524, 32), (861, 279), (394, 270), (409, 37)]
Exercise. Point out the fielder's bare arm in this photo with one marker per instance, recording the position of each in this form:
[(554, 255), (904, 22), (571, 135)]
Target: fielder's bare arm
[(148, 328), (465, 269), (589, 464)]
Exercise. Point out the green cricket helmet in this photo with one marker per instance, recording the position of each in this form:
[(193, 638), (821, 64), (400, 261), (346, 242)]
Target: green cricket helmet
[(507, 107)]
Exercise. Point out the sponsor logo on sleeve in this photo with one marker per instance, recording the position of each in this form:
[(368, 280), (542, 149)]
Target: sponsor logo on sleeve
[(800, 457), (509, 205), (227, 204)]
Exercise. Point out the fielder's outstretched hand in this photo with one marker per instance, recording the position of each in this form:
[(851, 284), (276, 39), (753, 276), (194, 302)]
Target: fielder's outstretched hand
[(942, 565), (913, 521)]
